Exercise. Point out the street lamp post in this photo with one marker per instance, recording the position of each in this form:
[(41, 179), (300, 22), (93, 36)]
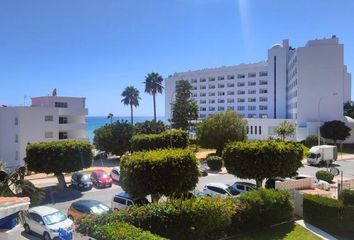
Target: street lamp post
[(318, 117)]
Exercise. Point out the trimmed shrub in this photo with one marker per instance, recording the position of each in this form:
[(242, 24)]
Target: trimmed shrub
[(347, 196), (143, 142), (336, 218), (261, 208), (214, 163), (122, 231), (168, 172), (311, 141), (149, 127), (324, 175)]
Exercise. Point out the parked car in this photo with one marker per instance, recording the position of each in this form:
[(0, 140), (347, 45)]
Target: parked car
[(270, 183), (219, 190), (100, 178), (115, 174), (318, 183), (242, 187), (81, 181), (46, 221), (86, 207), (123, 200)]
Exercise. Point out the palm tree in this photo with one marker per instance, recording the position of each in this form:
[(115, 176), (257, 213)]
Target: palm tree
[(153, 85), (110, 116), (131, 97)]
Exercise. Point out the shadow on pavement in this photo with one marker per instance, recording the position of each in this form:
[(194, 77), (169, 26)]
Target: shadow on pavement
[(54, 195)]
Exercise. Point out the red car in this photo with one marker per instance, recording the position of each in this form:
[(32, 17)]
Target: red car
[(100, 178)]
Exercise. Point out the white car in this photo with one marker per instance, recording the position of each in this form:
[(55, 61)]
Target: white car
[(219, 190), (243, 187), (123, 200), (46, 222), (115, 174)]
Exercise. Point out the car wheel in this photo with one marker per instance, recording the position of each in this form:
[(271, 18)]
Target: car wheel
[(71, 218), (46, 236), (27, 228)]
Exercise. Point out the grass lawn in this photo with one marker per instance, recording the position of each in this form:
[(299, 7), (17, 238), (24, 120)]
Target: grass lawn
[(284, 232)]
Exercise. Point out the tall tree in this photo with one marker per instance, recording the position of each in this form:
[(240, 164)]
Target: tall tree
[(131, 97), (349, 109), (285, 129), (110, 116), (153, 85), (184, 109), (335, 130)]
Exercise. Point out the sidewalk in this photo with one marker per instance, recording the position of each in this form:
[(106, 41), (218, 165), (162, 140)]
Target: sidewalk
[(318, 232)]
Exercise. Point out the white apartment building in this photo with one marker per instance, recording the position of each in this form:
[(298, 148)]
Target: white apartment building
[(48, 118), (306, 85)]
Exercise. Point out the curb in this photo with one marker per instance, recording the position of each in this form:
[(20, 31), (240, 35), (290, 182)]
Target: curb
[(318, 232)]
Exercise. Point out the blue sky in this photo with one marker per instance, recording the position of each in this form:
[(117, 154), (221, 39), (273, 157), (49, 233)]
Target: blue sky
[(95, 48)]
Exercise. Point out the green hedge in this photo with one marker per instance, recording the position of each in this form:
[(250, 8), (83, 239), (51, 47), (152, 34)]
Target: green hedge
[(330, 215), (123, 231), (214, 163), (166, 172), (261, 208), (143, 142), (324, 175), (347, 196)]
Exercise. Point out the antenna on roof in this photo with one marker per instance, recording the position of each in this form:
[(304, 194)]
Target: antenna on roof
[(54, 92)]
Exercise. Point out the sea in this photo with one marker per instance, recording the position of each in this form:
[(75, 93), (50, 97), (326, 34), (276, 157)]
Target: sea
[(96, 122)]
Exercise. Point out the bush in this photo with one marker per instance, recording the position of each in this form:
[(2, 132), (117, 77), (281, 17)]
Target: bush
[(149, 127), (336, 218), (347, 196), (143, 142), (311, 141), (122, 231), (324, 175), (197, 218), (159, 172), (261, 208), (214, 163)]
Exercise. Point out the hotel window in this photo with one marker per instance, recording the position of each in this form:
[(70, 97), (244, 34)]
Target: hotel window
[(251, 116), (240, 84), (263, 99), (194, 80), (221, 100), (263, 91), (263, 82), (202, 101), (211, 86), (221, 78), (211, 94), (211, 108), (230, 93), (221, 94), (202, 87), (251, 91), (263, 115), (16, 138), (211, 100), (195, 88), (230, 77), (16, 121), (251, 108), (48, 118), (202, 94), (63, 120), (240, 108), (202, 115), (251, 129), (211, 79), (252, 75), (16, 155), (194, 95), (240, 92), (251, 84), (63, 135), (49, 135), (240, 100), (251, 99), (231, 108), (260, 130), (230, 100), (202, 109), (221, 85), (221, 108), (202, 80), (61, 104), (255, 130), (263, 107), (230, 85), (263, 74), (239, 76)]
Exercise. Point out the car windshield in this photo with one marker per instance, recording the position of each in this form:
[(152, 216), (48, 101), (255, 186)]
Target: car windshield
[(85, 178), (311, 155), (102, 175), (99, 208), (232, 190), (54, 218)]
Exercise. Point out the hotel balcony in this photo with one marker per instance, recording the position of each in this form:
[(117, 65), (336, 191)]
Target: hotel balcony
[(72, 126)]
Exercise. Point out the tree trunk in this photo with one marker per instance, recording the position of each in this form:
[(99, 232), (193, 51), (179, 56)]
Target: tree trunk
[(155, 197), (61, 180), (259, 182), (153, 97), (131, 114)]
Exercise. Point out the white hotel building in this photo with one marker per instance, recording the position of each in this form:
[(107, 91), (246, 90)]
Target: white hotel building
[(48, 118), (306, 86)]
